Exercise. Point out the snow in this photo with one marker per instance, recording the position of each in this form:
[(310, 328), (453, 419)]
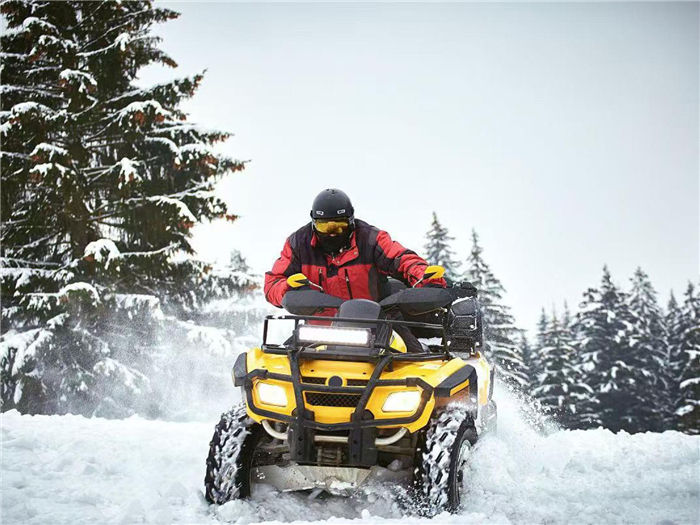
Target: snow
[(102, 250), (196, 149), (690, 382), (30, 107), (211, 339), (23, 275), (50, 150), (27, 25), (169, 144), (72, 75), (132, 301), (140, 108), (73, 470), (25, 344), (81, 287), (128, 171), (183, 211), (129, 378), (122, 41), (45, 168)]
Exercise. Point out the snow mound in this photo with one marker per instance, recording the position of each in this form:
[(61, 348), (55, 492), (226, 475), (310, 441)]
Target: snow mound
[(73, 470)]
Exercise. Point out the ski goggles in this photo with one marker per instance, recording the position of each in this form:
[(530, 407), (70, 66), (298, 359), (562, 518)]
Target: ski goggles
[(332, 226)]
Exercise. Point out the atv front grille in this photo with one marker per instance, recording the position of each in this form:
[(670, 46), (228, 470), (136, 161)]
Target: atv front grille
[(314, 380), (321, 399), (322, 381)]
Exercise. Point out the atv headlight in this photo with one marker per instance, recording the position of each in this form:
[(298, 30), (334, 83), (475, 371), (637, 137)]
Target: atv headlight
[(272, 395), (332, 335), (402, 402)]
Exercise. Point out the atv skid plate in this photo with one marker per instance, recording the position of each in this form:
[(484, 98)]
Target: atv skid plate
[(339, 481)]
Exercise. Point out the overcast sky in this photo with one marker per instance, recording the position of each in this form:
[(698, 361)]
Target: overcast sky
[(565, 134)]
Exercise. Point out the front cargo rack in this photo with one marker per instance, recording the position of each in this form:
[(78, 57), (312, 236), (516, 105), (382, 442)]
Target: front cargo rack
[(380, 343), (362, 425)]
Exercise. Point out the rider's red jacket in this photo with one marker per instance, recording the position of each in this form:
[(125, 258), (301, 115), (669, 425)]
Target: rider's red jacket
[(355, 273)]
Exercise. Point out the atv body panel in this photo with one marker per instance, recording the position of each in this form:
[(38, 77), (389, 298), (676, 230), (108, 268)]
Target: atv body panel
[(334, 407)]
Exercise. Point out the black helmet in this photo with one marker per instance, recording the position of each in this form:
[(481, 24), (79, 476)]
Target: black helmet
[(333, 219), (332, 204)]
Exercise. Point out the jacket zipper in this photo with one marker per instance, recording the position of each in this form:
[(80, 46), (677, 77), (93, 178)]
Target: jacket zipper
[(320, 278), (347, 282)]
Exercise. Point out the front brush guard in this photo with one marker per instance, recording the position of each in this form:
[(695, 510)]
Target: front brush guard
[(303, 427)]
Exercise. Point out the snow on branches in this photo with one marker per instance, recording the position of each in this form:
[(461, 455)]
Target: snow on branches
[(102, 182), (102, 251), (142, 114)]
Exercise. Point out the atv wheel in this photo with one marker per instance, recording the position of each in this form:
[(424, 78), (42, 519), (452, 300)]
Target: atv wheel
[(231, 453), (442, 468)]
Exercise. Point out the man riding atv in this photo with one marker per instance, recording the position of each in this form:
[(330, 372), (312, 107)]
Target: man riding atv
[(380, 381), (345, 257)]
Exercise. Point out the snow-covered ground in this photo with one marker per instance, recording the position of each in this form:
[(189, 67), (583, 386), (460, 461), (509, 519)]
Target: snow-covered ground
[(74, 470)]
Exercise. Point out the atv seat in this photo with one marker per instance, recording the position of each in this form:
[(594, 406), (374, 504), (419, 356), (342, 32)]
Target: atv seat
[(359, 309), (362, 309)]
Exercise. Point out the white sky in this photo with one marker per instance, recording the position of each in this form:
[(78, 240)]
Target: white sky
[(566, 134)]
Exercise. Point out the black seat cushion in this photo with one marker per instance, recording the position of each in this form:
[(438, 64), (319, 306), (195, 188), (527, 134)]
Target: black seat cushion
[(359, 309)]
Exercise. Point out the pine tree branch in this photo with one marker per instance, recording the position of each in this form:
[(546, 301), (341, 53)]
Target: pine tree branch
[(26, 262), (88, 18), (130, 19)]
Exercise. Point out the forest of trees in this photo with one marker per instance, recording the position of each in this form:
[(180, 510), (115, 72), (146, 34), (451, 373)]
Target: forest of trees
[(619, 360)]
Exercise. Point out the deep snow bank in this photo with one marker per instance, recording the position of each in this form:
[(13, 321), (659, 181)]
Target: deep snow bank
[(74, 470)]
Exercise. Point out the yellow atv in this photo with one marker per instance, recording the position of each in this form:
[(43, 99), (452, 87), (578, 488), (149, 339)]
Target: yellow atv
[(373, 394)]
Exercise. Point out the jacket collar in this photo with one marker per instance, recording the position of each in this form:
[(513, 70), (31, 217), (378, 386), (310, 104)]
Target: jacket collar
[(346, 255)]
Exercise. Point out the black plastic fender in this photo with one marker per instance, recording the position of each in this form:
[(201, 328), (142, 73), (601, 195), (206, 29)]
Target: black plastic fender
[(240, 370), (461, 376)]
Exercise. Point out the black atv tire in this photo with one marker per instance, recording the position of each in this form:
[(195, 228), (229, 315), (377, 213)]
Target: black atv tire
[(230, 458), (442, 461)]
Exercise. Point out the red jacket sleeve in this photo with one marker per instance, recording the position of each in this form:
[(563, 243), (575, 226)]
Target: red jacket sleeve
[(276, 279), (401, 263)]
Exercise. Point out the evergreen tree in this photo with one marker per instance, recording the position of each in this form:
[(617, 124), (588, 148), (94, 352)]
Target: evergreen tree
[(500, 333), (540, 342), (556, 383), (610, 379), (688, 404), (528, 365), (567, 321), (649, 352), (102, 182), (675, 327), (438, 249)]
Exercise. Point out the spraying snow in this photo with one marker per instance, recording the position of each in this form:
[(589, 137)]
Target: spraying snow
[(69, 469)]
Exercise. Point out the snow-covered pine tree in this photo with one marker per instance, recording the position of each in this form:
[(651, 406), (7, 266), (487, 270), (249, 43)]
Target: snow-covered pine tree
[(438, 249), (688, 404), (649, 354), (102, 182), (674, 321), (535, 367), (610, 379), (557, 379), (528, 354), (500, 332)]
